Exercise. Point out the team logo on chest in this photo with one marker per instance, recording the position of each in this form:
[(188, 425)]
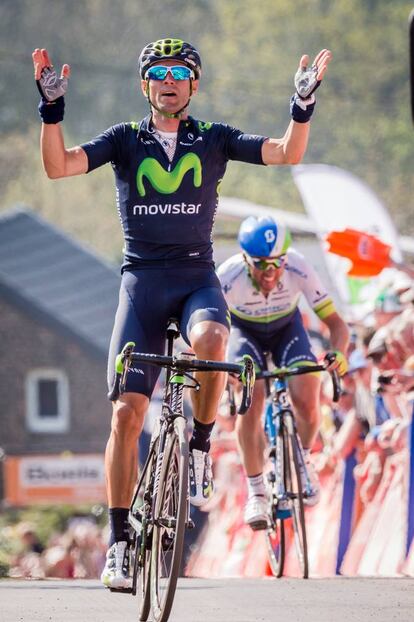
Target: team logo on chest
[(168, 182)]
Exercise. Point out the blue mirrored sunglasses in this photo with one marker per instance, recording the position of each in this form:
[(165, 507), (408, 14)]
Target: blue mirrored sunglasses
[(264, 264), (178, 72)]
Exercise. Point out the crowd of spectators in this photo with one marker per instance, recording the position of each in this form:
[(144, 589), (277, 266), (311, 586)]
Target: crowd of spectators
[(77, 552), (375, 411)]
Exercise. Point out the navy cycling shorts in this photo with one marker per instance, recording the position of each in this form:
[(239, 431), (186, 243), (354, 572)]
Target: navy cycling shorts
[(287, 346), (148, 298)]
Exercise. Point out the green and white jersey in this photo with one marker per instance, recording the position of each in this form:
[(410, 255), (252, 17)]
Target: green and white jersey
[(251, 308)]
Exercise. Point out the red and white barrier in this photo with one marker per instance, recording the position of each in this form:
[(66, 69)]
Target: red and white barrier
[(229, 548)]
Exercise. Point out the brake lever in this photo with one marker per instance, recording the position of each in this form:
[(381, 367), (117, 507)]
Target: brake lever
[(248, 378), (123, 363), (336, 384), (336, 381)]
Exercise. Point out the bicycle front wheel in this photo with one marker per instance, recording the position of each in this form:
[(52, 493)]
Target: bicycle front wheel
[(295, 492), (275, 542), (141, 522), (275, 534), (171, 506)]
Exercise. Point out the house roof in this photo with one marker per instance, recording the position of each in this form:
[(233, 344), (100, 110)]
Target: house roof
[(51, 275)]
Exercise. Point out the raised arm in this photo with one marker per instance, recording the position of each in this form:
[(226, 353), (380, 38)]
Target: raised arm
[(291, 148), (57, 160)]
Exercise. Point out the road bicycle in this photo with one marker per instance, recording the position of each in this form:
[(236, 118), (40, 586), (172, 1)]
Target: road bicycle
[(288, 479), (160, 510)]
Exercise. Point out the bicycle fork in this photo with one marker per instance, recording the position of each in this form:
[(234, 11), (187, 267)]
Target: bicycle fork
[(177, 385)]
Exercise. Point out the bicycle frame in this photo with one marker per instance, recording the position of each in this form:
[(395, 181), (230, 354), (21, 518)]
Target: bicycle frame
[(278, 408), (172, 407), (159, 521), (288, 476)]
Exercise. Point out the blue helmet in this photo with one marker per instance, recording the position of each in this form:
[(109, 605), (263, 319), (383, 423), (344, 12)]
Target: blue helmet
[(262, 237)]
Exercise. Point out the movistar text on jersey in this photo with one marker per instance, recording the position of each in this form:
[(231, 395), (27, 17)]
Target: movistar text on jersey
[(167, 208)]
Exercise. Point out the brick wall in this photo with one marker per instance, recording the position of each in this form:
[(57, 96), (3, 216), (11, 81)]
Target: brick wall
[(27, 343)]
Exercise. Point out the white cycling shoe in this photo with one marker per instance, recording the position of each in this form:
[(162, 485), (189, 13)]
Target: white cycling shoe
[(115, 575), (256, 512), (201, 477)]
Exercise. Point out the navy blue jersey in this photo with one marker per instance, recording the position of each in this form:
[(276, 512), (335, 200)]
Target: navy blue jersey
[(167, 209)]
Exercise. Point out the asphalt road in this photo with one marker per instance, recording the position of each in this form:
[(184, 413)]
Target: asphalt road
[(227, 600)]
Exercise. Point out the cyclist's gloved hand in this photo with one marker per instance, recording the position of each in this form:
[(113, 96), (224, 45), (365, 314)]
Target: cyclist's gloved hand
[(52, 88), (336, 360), (307, 80)]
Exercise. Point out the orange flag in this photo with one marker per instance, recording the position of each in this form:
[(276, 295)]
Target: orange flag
[(367, 253)]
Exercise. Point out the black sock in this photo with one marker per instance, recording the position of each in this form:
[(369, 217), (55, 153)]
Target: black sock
[(118, 522), (201, 436)]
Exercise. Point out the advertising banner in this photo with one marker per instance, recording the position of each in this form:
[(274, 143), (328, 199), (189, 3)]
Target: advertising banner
[(74, 478)]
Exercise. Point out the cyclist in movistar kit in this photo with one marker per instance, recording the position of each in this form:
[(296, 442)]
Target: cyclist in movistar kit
[(168, 168), (263, 286)]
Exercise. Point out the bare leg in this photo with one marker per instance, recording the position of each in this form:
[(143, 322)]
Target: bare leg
[(121, 456), (209, 341), (305, 391), (250, 435)]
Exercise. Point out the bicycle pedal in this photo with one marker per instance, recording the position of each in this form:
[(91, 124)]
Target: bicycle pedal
[(283, 514), (190, 524), (121, 590)]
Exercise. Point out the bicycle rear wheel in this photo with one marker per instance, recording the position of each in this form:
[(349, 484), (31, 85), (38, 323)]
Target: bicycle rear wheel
[(171, 508), (294, 490)]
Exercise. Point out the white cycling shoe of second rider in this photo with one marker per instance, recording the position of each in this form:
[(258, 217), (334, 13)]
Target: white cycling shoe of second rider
[(201, 477), (115, 575), (256, 512), (311, 487)]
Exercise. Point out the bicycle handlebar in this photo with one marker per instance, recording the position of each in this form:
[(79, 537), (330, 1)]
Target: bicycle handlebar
[(186, 363), (285, 372)]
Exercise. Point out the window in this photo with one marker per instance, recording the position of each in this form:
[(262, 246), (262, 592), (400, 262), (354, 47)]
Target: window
[(47, 401)]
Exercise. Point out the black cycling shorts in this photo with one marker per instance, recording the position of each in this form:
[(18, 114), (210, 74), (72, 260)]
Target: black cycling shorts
[(288, 346), (148, 298)]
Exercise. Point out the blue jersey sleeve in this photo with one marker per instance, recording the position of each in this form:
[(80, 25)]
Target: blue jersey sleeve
[(243, 147), (107, 147)]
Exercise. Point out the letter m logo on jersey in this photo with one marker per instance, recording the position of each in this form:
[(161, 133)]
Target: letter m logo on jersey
[(164, 181)]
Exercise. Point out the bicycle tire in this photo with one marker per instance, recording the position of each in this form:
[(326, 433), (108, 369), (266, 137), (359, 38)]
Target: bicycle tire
[(294, 488), (145, 585), (275, 542), (142, 566), (171, 504), (275, 534)]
